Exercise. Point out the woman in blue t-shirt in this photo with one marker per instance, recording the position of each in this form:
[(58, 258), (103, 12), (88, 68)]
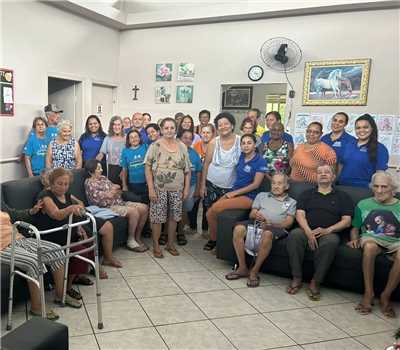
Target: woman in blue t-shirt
[(36, 147), (364, 156), (338, 138), (132, 163), (92, 139), (250, 172)]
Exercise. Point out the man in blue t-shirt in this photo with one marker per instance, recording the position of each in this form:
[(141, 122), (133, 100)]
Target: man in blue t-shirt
[(137, 124)]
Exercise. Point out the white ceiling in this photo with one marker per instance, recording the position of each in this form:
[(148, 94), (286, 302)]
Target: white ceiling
[(136, 14)]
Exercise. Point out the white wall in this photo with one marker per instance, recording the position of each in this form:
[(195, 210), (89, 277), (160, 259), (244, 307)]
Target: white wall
[(223, 53), (39, 40)]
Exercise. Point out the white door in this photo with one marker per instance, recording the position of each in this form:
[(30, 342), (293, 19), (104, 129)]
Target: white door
[(103, 103)]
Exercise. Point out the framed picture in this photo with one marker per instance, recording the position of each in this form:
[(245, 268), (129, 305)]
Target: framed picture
[(163, 71), (163, 94), (184, 94), (6, 92), (237, 97), (339, 82), (186, 72)]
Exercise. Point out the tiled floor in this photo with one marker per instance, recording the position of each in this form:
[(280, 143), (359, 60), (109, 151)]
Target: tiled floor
[(186, 303)]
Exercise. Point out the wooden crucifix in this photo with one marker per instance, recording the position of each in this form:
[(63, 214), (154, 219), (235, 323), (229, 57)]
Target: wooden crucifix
[(135, 90)]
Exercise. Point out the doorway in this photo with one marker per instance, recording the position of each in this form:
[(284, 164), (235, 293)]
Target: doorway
[(104, 102), (67, 95)]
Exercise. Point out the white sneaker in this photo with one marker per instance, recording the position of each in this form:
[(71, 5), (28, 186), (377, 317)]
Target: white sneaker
[(131, 244)]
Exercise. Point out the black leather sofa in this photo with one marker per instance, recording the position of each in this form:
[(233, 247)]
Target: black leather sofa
[(21, 194), (346, 270)]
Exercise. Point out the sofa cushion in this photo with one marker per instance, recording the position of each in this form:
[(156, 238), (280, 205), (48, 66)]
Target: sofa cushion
[(21, 194)]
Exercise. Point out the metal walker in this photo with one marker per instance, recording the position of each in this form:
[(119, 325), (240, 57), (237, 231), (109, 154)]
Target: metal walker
[(92, 244)]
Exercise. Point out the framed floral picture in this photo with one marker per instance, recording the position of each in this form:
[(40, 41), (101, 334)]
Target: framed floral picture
[(163, 71), (336, 82)]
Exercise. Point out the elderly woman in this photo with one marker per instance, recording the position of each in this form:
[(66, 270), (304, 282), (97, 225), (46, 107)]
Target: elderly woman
[(64, 151), (102, 192), (167, 169), (36, 147), (308, 156), (249, 126), (277, 152), (58, 205), (378, 219), (112, 147)]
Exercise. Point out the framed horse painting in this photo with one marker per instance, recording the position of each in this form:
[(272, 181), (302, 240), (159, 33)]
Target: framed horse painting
[(338, 82)]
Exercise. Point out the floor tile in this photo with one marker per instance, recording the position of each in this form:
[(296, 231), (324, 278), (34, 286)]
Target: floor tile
[(86, 342), (181, 263), (269, 298), (289, 348), (140, 267), (111, 289), (350, 296), (346, 318), (18, 318), (199, 281), (305, 326), (342, 344), (124, 254), (328, 297), (222, 303), (276, 280), (76, 320), (194, 335), (171, 309), (119, 315), (393, 321), (153, 286), (133, 339), (239, 283), (112, 272), (377, 341), (213, 263), (252, 332)]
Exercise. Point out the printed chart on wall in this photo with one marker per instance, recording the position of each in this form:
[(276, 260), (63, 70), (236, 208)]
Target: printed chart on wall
[(6, 92), (388, 130)]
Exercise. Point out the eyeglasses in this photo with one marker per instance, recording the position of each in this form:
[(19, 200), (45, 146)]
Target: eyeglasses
[(313, 132)]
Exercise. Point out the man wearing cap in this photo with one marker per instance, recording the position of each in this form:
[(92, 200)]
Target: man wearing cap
[(53, 118)]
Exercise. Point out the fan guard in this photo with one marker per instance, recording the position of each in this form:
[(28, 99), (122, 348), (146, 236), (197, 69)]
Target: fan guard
[(271, 47)]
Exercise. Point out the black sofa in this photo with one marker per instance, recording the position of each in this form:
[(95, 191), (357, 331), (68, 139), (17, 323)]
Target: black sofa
[(21, 194), (346, 270)]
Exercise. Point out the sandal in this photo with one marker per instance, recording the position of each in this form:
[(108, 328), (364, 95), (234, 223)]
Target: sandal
[(234, 275), (210, 245), (172, 251), (113, 263), (83, 281), (141, 249), (158, 254), (74, 294), (163, 239), (50, 315), (253, 282), (313, 295), (388, 311), (181, 239), (363, 309), (71, 302), (293, 289)]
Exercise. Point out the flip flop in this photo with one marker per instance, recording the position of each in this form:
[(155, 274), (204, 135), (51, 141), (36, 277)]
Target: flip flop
[(253, 282), (231, 276), (158, 254), (172, 251), (388, 311), (293, 289), (313, 295), (140, 249), (50, 315), (362, 309)]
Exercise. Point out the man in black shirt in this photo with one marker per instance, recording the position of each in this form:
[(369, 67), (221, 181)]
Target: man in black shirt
[(321, 213)]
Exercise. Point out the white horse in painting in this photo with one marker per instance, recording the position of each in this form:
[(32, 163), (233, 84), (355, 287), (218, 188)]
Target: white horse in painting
[(332, 83)]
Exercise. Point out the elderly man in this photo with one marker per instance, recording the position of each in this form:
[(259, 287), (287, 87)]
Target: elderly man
[(137, 124), (378, 218), (322, 213), (53, 115)]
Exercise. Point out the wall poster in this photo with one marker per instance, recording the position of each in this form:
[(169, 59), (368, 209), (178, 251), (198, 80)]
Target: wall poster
[(6, 92)]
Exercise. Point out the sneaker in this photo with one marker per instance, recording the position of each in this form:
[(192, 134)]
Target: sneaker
[(132, 244), (76, 304)]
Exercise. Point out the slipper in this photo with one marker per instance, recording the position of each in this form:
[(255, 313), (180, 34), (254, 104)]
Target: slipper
[(172, 251), (50, 315), (140, 249), (158, 254), (388, 311), (253, 282), (210, 245), (313, 295), (293, 289), (181, 239), (74, 294), (231, 276), (113, 263), (83, 281), (362, 309)]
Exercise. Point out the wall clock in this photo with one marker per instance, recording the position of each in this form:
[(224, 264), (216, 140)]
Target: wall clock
[(255, 73)]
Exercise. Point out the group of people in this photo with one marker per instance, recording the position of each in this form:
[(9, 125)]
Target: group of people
[(161, 172)]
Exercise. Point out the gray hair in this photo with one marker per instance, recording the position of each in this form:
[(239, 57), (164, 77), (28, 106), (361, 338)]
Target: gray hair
[(64, 124), (389, 178), (285, 177)]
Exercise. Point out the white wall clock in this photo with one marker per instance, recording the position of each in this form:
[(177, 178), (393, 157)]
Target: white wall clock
[(255, 73)]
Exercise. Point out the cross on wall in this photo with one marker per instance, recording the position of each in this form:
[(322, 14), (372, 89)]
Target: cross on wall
[(135, 90)]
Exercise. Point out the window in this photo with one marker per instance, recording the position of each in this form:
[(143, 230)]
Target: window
[(276, 103)]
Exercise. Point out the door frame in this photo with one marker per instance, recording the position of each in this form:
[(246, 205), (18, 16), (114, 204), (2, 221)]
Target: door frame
[(114, 88)]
